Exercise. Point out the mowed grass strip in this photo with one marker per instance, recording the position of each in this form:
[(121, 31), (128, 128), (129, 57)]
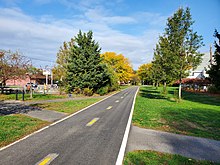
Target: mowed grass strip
[(155, 158), (36, 96), (196, 115), (68, 106), (14, 127)]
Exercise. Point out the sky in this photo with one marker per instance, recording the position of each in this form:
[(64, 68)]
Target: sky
[(38, 28)]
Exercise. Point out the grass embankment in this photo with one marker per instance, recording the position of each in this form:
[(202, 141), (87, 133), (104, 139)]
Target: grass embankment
[(36, 97), (196, 115), (68, 106), (155, 158), (14, 127)]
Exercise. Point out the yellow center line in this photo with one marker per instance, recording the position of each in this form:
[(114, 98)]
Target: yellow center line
[(48, 159), (109, 107), (45, 161), (92, 122)]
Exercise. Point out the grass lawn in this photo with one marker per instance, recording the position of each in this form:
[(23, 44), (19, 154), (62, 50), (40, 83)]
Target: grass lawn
[(68, 106), (155, 158), (196, 115), (14, 127), (36, 96)]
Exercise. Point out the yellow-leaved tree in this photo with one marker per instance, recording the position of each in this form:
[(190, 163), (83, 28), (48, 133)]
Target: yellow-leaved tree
[(120, 65), (144, 73)]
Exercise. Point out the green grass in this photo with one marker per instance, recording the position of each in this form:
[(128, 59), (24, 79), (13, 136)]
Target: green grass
[(196, 115), (36, 96), (14, 127), (68, 106), (157, 158), (121, 87)]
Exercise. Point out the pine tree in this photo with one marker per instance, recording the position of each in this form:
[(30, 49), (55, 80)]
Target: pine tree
[(84, 65), (214, 72)]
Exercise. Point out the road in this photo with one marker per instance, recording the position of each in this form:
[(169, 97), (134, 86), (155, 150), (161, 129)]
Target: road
[(91, 137)]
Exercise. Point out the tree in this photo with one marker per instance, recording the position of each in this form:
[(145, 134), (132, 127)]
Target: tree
[(178, 47), (135, 80), (214, 72), (84, 65), (12, 65), (144, 73), (62, 57), (120, 65)]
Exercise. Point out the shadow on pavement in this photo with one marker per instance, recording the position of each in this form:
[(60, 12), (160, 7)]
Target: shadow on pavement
[(15, 108)]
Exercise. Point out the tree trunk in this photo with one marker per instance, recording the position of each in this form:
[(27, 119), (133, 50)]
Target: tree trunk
[(156, 85), (31, 92), (180, 89), (165, 87)]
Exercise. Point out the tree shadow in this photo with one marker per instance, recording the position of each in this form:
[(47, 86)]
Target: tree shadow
[(150, 93), (197, 122), (15, 108), (201, 98)]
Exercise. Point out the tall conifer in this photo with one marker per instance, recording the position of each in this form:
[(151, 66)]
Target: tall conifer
[(84, 65), (214, 72)]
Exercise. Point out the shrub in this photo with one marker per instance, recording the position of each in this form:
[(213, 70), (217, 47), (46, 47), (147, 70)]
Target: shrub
[(103, 90), (77, 90), (213, 89), (87, 92)]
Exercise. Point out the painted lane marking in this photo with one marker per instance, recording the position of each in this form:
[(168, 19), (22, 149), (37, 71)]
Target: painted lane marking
[(92, 122), (57, 122), (110, 107), (48, 159), (121, 153), (122, 97), (117, 101)]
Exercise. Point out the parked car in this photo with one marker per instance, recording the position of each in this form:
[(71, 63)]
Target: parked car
[(31, 84)]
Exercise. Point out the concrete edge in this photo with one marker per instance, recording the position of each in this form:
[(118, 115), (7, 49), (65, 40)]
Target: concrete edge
[(121, 153), (59, 121)]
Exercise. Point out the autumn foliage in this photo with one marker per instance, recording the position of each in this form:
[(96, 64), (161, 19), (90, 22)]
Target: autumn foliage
[(120, 65)]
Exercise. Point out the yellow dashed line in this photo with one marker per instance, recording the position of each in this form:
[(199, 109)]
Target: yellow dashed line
[(110, 107), (48, 159), (92, 122), (45, 161)]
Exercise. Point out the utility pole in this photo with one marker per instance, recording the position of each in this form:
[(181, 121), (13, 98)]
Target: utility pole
[(51, 77)]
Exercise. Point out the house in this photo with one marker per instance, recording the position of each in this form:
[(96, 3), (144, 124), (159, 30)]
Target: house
[(39, 79), (200, 71)]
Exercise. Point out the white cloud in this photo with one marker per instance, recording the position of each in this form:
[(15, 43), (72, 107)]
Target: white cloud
[(42, 38)]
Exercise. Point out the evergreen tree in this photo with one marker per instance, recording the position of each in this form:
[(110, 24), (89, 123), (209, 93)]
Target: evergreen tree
[(214, 72), (84, 65)]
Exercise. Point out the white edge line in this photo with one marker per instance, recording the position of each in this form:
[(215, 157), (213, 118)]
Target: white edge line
[(121, 153), (65, 118)]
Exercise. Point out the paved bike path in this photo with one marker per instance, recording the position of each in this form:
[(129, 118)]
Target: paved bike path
[(189, 146)]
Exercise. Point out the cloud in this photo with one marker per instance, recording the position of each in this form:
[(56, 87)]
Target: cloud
[(41, 37), (99, 16)]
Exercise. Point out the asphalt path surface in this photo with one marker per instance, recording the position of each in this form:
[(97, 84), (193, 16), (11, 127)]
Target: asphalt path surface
[(91, 137)]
